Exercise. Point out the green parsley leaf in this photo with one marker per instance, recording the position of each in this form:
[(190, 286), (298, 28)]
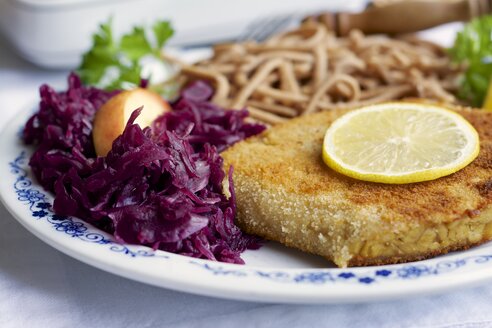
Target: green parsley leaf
[(101, 55), (162, 31), (135, 44), (473, 47), (115, 64)]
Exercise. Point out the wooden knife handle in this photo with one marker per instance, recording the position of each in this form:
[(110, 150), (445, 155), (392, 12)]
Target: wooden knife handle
[(406, 16)]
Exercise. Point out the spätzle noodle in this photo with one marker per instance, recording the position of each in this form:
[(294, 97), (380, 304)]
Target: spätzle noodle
[(309, 69)]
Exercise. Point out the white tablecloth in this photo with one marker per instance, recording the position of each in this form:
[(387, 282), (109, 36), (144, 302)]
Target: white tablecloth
[(40, 287)]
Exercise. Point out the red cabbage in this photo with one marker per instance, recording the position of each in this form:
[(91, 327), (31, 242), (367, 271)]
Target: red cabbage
[(62, 129), (160, 186), (211, 124)]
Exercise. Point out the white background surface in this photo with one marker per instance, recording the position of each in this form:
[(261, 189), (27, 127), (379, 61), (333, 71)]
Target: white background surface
[(40, 287), (53, 33)]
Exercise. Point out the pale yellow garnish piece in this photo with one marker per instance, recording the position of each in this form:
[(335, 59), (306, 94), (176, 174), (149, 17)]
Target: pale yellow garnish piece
[(110, 120), (487, 104), (400, 142)]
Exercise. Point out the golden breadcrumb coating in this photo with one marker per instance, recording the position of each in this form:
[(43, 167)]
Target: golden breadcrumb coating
[(286, 193)]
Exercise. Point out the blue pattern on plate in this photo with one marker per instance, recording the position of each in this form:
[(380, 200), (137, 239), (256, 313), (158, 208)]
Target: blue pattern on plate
[(365, 277), (40, 208)]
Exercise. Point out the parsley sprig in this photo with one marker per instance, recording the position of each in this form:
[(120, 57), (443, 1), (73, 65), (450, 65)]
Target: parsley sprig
[(473, 46), (115, 64)]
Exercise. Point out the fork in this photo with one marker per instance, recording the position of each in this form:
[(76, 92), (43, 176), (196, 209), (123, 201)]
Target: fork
[(261, 29)]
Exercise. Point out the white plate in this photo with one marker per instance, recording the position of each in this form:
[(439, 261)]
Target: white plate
[(272, 274)]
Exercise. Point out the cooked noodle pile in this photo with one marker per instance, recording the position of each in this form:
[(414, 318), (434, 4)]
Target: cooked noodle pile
[(309, 69)]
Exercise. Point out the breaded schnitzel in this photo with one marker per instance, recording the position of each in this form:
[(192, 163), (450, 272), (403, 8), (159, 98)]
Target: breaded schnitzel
[(286, 193)]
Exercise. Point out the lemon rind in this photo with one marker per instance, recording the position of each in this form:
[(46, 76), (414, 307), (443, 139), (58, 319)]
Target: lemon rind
[(469, 153)]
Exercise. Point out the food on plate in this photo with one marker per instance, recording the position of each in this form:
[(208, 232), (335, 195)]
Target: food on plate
[(285, 192), (309, 69), (161, 181), (159, 186), (400, 142), (61, 129), (203, 122), (110, 120)]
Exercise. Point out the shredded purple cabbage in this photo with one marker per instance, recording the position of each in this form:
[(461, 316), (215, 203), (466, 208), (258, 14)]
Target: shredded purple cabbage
[(62, 129), (160, 186), (211, 124)]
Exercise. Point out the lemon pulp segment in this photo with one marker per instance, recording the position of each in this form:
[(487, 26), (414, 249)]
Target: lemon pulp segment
[(400, 142)]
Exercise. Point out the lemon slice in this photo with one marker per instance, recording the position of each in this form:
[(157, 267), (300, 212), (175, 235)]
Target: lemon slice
[(400, 142)]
